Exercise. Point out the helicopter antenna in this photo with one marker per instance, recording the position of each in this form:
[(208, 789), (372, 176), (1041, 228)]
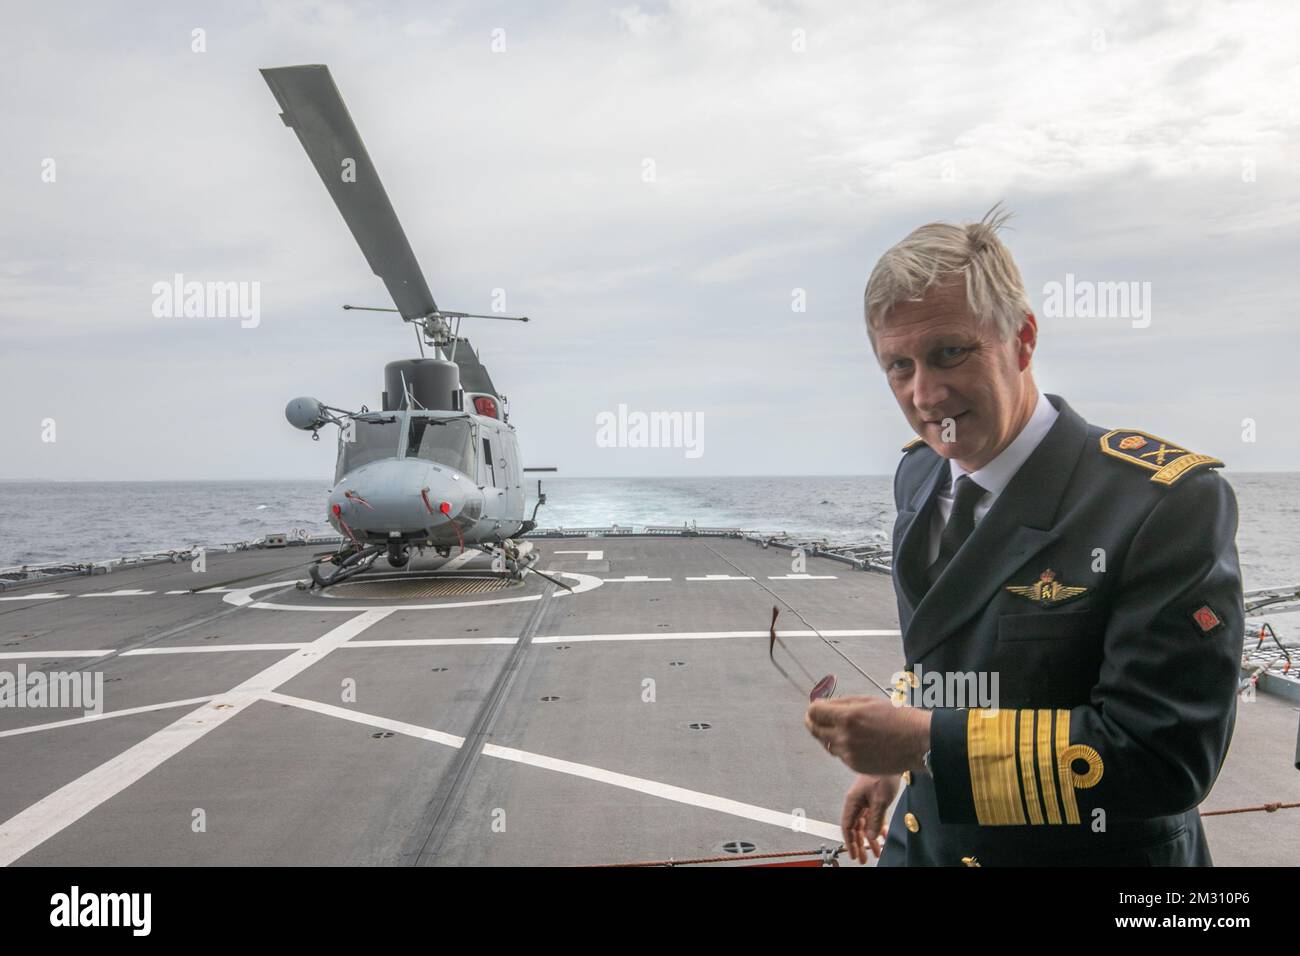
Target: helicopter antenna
[(411, 400)]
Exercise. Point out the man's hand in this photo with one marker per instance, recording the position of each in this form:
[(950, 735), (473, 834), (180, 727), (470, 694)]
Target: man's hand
[(863, 820), (871, 735)]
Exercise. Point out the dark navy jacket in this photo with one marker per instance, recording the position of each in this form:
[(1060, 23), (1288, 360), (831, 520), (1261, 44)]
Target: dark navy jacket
[(1103, 589)]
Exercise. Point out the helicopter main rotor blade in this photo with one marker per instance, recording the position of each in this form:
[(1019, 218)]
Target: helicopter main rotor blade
[(313, 108)]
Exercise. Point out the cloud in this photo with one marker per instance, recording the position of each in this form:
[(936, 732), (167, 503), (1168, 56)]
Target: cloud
[(789, 143)]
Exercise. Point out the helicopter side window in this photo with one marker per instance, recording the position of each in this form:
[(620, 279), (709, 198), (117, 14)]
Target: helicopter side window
[(373, 439), (443, 442), (487, 459)]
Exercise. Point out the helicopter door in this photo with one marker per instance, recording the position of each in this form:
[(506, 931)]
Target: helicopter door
[(491, 474), (513, 477)]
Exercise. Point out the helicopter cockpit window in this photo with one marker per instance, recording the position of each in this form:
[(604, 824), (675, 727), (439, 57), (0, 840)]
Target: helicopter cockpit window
[(446, 442), (373, 439)]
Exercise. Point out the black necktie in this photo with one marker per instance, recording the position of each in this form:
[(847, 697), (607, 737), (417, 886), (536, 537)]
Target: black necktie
[(960, 524)]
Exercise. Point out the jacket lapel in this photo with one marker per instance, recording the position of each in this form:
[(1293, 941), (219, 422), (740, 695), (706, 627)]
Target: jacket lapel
[(914, 527), (1016, 528)]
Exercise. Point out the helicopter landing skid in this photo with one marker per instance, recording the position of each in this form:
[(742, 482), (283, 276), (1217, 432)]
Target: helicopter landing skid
[(509, 559), (514, 561), (354, 563)]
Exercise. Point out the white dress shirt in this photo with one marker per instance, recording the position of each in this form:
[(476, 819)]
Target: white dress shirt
[(994, 476)]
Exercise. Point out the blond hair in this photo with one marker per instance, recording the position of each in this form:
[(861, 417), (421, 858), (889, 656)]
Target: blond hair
[(941, 251)]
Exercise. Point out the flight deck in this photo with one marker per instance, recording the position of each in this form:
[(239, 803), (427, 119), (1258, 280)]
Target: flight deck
[(443, 715)]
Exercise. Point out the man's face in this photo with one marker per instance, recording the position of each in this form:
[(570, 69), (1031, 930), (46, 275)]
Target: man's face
[(942, 364)]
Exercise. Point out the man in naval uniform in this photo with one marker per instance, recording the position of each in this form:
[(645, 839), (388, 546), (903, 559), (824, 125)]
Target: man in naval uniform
[(1069, 597)]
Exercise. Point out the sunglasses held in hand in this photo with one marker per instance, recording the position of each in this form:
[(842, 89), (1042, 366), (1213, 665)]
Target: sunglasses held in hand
[(824, 689)]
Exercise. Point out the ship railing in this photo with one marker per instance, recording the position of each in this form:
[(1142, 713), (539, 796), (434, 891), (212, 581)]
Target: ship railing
[(1269, 659), (24, 575), (686, 530), (581, 532), (1281, 599), (864, 556)]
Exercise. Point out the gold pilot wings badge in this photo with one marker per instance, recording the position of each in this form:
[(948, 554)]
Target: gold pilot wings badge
[(1047, 590)]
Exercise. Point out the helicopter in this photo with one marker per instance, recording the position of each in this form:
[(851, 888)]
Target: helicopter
[(438, 465)]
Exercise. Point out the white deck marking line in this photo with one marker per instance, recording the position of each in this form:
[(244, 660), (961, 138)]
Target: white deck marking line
[(722, 577), (451, 564), (48, 596), (591, 555), (370, 720), (652, 788), (243, 597), (147, 708), (34, 655), (125, 592), (666, 791), (432, 642), (214, 648), (703, 636), (180, 592), (636, 579), (49, 816), (295, 645), (802, 577)]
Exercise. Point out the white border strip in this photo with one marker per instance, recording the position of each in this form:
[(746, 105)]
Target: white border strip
[(703, 636), (665, 791), (147, 708), (36, 655), (370, 720)]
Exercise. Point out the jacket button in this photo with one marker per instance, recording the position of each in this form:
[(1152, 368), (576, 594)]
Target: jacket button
[(907, 777), (970, 861), (911, 823)]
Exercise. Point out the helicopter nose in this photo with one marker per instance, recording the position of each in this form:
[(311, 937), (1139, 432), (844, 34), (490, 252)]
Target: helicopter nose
[(402, 496)]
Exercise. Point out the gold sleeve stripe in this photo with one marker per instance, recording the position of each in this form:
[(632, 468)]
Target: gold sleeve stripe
[(991, 754), (1063, 767), (1046, 765), (1002, 749), (1067, 755), (1027, 767), (1091, 758)]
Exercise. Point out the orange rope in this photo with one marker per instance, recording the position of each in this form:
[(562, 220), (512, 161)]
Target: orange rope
[(1266, 808), (730, 859)]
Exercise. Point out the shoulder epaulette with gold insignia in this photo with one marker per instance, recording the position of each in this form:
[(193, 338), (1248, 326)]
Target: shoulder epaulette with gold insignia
[(918, 440), (1167, 460)]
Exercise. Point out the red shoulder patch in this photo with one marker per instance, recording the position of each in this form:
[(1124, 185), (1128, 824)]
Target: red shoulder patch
[(1206, 619)]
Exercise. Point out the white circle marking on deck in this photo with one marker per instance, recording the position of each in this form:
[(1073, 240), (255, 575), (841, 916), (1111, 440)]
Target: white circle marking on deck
[(243, 597)]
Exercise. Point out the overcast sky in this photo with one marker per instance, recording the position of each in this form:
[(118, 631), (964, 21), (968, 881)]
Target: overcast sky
[(790, 144)]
